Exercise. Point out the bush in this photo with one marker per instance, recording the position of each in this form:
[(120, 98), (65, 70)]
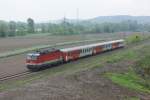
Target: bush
[(144, 66), (129, 80), (134, 38)]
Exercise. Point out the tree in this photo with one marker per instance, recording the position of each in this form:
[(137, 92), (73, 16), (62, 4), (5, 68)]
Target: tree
[(12, 28), (3, 28), (30, 23), (44, 28), (21, 28)]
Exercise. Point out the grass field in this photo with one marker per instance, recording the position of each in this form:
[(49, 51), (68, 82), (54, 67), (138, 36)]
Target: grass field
[(17, 43)]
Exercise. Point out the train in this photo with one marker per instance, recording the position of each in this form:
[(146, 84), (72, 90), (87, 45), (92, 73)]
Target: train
[(48, 57)]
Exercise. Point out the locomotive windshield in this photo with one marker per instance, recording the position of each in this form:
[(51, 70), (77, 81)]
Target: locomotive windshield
[(32, 56)]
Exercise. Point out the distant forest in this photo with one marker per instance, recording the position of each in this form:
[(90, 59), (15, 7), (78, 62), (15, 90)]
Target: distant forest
[(66, 26)]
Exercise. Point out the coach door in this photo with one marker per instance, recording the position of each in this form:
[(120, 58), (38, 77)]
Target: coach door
[(114, 45)]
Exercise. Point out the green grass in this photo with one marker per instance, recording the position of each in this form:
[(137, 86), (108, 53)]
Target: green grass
[(134, 38), (132, 79), (129, 80), (127, 55), (145, 62), (142, 67), (137, 37)]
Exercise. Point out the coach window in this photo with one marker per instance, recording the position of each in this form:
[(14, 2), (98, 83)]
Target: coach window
[(118, 43), (104, 46), (109, 46)]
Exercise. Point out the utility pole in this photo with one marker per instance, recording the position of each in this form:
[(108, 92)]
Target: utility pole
[(77, 15), (64, 23), (77, 23), (64, 20)]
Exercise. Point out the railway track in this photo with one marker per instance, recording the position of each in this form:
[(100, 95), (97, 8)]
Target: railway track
[(14, 76)]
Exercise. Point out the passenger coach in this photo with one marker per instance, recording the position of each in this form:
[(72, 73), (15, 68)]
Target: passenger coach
[(49, 57)]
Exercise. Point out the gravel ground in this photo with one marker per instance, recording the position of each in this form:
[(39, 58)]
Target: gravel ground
[(85, 85)]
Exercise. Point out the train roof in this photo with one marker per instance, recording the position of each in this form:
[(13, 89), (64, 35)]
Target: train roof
[(43, 51), (90, 45)]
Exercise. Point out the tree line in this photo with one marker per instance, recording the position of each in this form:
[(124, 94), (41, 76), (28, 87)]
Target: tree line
[(12, 28)]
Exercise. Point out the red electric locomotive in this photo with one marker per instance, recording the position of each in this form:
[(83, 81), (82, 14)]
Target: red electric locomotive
[(43, 58)]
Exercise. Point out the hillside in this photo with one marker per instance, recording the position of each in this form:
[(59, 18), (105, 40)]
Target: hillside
[(113, 19), (120, 18)]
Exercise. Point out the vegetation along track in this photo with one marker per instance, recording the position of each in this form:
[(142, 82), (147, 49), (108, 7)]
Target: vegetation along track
[(14, 76)]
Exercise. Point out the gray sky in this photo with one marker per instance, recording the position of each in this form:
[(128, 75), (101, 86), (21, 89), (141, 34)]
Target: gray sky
[(44, 10)]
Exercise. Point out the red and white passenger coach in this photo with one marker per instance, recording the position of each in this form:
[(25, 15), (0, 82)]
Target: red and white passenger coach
[(50, 57)]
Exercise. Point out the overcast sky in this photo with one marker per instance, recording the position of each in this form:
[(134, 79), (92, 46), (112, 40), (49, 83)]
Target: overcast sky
[(44, 10)]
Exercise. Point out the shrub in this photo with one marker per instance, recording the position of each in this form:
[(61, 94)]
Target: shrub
[(143, 66), (134, 38)]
